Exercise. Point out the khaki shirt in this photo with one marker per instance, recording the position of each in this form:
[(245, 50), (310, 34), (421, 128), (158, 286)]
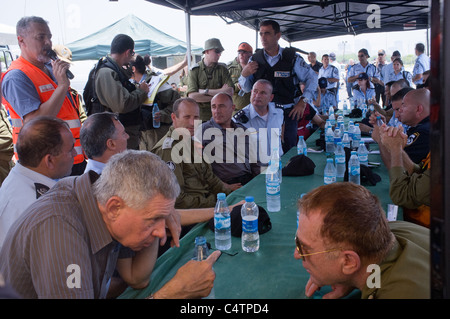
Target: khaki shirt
[(235, 69), (405, 271), (199, 186), (6, 145), (203, 77)]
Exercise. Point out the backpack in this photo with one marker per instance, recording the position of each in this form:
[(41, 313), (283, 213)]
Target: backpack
[(89, 96)]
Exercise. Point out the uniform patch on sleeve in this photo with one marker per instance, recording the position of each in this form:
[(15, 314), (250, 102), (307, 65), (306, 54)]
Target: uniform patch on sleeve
[(412, 138), (171, 165)]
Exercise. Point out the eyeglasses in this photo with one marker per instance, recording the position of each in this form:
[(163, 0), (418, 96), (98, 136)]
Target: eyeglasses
[(299, 247), (380, 54), (133, 53), (217, 51)]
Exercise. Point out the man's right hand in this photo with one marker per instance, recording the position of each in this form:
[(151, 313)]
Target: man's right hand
[(193, 280), (249, 69), (144, 87)]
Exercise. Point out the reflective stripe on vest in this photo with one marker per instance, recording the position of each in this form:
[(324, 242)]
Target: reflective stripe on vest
[(45, 87)]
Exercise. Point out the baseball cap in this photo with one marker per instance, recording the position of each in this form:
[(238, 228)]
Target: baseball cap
[(365, 52), (332, 55), (63, 53), (363, 76), (299, 165), (244, 46), (323, 83), (396, 53), (213, 43)]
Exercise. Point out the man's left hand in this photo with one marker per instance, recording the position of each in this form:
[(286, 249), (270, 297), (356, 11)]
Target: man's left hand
[(298, 110)]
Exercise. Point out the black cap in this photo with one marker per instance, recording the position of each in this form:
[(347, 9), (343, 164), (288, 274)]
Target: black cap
[(396, 53), (299, 165), (323, 83), (264, 224), (362, 76), (365, 52)]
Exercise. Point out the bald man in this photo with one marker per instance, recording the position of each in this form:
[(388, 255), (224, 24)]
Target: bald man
[(415, 112)]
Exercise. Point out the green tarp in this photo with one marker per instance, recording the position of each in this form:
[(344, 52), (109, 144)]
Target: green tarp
[(148, 40)]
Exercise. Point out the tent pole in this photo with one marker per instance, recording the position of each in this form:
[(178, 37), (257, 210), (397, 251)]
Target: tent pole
[(188, 38)]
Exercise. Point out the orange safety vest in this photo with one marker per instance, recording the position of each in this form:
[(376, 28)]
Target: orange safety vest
[(45, 87)]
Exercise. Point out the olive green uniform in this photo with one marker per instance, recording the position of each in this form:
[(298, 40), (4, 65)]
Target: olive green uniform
[(199, 186), (165, 99), (235, 70), (6, 145), (405, 271), (202, 77)]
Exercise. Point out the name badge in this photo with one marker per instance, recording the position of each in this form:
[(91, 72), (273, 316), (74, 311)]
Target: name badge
[(46, 88), (282, 74)]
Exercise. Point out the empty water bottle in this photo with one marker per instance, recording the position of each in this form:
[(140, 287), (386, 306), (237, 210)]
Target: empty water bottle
[(250, 234), (332, 119), (222, 223), (301, 146), (339, 157), (346, 140), (329, 141), (156, 120), (329, 174), (337, 137), (363, 154), (354, 169), (201, 252)]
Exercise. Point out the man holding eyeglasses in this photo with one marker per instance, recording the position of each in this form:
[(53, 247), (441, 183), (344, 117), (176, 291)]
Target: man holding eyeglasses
[(364, 67), (115, 93), (346, 242), (208, 78)]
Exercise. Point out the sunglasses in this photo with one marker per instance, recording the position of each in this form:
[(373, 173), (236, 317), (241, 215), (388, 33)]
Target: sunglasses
[(380, 54), (361, 56), (301, 253)]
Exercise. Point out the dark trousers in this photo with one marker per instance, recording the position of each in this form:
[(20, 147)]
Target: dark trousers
[(290, 131)]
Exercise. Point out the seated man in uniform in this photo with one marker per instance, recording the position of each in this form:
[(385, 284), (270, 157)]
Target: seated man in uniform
[(199, 185), (384, 260)]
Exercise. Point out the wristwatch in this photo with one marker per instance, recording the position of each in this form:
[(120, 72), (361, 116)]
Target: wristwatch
[(206, 91), (370, 132)]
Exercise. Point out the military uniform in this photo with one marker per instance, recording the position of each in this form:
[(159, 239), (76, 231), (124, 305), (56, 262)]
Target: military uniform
[(202, 77), (199, 186), (405, 271), (235, 69), (6, 145)]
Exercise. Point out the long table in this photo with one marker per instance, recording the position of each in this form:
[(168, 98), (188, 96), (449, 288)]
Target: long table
[(272, 272)]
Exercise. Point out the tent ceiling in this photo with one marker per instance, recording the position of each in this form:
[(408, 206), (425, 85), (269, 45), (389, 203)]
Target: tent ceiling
[(304, 20)]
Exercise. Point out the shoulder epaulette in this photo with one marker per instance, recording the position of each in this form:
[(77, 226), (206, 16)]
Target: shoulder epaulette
[(240, 117)]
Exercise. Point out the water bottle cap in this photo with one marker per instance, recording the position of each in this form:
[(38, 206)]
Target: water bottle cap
[(378, 117), (200, 240), (353, 153), (249, 199), (221, 196), (357, 124), (339, 143), (329, 159)]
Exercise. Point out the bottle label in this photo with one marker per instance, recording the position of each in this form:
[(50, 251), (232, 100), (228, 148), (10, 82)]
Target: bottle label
[(355, 170), (363, 158), (250, 225), (340, 159), (273, 189), (222, 222), (329, 179)]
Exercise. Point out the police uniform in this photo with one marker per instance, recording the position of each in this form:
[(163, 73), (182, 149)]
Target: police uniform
[(199, 186), (421, 65), (20, 189), (370, 69), (6, 145), (405, 271), (250, 119), (418, 143), (207, 77)]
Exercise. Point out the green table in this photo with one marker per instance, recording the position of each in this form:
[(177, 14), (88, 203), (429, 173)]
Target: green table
[(272, 272)]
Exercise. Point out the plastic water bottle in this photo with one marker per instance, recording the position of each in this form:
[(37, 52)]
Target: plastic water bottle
[(329, 141), (275, 160), (156, 122), (363, 154), (329, 175), (332, 119), (339, 157), (345, 140), (345, 108), (301, 146), (273, 187), (340, 121), (222, 223), (328, 125), (356, 137), (201, 252), (354, 169), (379, 121), (337, 137), (298, 210), (250, 234)]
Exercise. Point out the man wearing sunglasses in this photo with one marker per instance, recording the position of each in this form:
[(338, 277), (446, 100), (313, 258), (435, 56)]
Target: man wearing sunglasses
[(345, 241), (364, 67), (208, 78)]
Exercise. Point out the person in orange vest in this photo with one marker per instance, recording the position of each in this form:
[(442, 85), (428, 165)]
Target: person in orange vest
[(33, 85)]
